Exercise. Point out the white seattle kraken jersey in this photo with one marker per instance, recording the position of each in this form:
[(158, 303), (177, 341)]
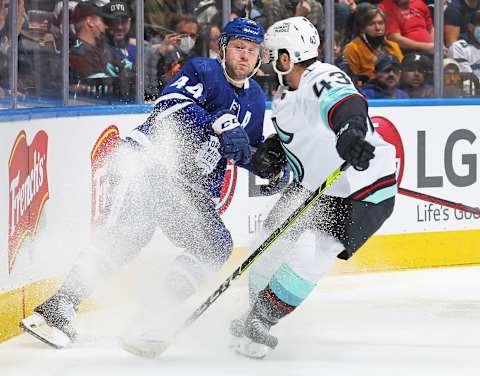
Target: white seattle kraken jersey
[(300, 118), (466, 55)]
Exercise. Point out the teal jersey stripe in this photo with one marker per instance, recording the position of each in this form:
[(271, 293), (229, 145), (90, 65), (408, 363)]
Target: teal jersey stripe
[(332, 97), (289, 286), (382, 194)]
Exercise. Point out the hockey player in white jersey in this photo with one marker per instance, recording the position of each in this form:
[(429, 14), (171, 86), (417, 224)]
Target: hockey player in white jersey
[(321, 120)]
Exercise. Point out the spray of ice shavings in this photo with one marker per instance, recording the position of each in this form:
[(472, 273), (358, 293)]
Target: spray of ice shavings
[(179, 207), (305, 236)]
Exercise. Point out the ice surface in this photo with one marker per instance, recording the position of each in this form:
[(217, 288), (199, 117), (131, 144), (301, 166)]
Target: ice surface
[(421, 322)]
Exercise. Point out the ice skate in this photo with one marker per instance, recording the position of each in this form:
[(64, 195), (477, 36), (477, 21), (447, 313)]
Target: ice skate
[(51, 322), (256, 341)]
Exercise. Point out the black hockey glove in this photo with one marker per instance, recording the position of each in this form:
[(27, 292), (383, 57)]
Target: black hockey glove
[(234, 141), (278, 182), (269, 158), (353, 148)]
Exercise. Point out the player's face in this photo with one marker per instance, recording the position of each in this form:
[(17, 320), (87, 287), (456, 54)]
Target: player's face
[(283, 64), (241, 58)]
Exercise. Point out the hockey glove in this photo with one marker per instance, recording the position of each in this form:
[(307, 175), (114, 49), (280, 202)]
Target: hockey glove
[(234, 141), (278, 182), (352, 147), (269, 158)]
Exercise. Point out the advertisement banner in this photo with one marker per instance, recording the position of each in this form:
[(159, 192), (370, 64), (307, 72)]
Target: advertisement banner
[(52, 183)]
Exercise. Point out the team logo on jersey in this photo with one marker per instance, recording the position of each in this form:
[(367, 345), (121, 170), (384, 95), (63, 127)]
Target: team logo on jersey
[(28, 189), (390, 134), (101, 189), (235, 108), (228, 188)]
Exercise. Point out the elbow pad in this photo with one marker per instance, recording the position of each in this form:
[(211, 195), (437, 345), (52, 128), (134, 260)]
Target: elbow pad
[(353, 112)]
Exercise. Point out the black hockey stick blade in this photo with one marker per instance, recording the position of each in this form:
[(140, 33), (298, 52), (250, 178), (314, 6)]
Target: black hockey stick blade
[(309, 201)]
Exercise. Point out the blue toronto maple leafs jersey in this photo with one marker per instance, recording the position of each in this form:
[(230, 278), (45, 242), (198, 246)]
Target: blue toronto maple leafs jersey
[(191, 101)]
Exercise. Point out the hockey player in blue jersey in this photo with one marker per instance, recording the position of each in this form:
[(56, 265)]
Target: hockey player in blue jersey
[(321, 121), (168, 173)]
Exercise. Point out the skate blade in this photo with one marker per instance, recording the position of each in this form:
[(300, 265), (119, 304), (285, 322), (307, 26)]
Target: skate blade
[(250, 349), (36, 326), (145, 348), (234, 342)]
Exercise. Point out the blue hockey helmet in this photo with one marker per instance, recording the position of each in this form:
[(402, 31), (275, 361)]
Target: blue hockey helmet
[(241, 28)]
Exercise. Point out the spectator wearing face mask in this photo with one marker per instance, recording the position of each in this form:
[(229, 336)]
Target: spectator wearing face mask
[(466, 50), (456, 18), (363, 51), (186, 27), (386, 81)]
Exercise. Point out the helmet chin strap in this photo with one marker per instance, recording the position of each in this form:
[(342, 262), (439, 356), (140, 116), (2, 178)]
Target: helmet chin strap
[(236, 83), (279, 73)]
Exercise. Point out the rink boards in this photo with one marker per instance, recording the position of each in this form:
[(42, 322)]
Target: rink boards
[(50, 193)]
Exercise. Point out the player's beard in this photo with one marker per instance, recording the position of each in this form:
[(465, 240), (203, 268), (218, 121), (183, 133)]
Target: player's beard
[(238, 72)]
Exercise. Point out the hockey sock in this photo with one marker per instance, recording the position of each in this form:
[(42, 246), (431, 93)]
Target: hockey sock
[(285, 292)]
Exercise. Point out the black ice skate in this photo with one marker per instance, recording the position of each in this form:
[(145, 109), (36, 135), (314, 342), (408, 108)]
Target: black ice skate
[(256, 340), (51, 322)]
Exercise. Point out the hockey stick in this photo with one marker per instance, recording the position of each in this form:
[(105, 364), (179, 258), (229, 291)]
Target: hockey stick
[(309, 201), (438, 201)]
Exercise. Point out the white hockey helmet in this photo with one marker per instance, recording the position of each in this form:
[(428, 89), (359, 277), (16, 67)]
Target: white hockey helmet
[(297, 35)]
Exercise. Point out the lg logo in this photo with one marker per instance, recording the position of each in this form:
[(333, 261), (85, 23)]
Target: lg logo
[(458, 141)]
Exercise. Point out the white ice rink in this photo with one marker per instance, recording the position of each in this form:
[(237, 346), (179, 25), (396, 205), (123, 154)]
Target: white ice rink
[(420, 322)]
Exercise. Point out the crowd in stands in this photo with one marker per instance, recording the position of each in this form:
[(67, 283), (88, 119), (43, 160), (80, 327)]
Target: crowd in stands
[(386, 46)]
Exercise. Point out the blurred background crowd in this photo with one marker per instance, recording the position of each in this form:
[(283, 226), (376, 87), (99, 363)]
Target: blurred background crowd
[(386, 46)]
